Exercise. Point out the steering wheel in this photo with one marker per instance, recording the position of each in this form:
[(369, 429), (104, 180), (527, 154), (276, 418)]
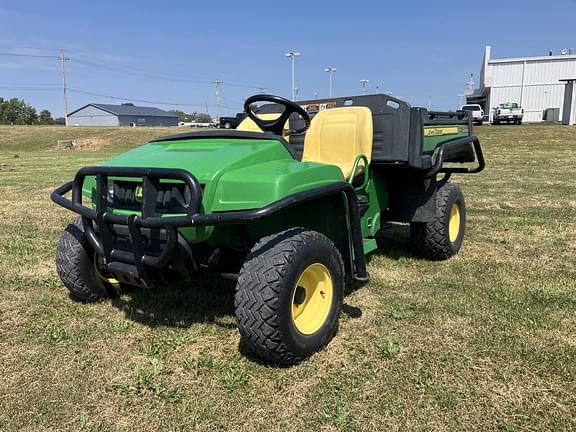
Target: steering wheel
[(276, 126)]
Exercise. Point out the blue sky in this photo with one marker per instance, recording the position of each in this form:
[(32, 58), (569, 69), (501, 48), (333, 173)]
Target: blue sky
[(170, 51)]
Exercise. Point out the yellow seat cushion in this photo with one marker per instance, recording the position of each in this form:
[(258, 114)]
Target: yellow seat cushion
[(337, 136)]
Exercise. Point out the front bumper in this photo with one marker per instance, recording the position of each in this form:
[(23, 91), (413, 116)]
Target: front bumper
[(98, 221)]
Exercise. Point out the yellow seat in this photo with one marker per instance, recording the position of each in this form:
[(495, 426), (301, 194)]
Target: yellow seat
[(338, 136), (248, 124)]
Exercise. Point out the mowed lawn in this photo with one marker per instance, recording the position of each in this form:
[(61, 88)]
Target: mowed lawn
[(484, 341)]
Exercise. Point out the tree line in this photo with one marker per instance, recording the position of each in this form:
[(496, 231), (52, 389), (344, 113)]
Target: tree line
[(192, 117), (17, 112)]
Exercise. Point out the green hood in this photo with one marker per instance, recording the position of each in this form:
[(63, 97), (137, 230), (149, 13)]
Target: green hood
[(236, 173), (204, 158)]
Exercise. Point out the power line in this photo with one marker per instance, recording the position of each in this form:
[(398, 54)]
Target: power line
[(232, 105), (232, 101), (131, 71), (17, 84), (25, 47), (28, 55), (125, 70), (94, 93), (53, 88)]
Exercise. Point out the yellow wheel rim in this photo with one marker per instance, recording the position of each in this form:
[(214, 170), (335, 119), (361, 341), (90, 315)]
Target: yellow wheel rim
[(312, 299), (101, 276), (454, 223)]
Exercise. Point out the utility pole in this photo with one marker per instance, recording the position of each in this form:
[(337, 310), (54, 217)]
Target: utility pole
[(470, 83), (364, 82), (62, 59), (218, 84), (330, 71), (292, 55), (461, 96)]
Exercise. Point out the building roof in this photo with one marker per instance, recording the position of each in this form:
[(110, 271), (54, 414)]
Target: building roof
[(489, 60), (532, 59), (129, 110)]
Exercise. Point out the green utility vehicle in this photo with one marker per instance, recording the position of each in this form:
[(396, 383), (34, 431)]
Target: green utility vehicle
[(290, 220)]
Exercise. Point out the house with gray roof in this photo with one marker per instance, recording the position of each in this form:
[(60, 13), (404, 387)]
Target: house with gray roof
[(121, 115)]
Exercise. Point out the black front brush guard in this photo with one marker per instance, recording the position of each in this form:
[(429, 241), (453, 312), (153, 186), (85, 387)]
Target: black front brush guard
[(103, 241)]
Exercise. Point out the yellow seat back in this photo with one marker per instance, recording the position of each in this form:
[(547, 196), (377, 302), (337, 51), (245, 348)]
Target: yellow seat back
[(248, 124), (337, 136)]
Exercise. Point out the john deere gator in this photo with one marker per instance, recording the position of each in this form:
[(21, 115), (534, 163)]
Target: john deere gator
[(288, 210)]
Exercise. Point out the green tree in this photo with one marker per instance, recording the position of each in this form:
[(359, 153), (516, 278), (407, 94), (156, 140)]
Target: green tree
[(182, 116), (192, 117), (202, 118), (45, 117), (16, 111)]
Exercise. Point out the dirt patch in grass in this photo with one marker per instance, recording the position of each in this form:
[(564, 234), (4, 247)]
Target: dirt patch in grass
[(90, 144), (7, 168)]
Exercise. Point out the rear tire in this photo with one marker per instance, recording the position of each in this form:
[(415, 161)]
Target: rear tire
[(289, 295), (75, 264), (442, 238)]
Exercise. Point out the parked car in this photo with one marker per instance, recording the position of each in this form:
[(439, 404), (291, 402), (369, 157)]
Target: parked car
[(509, 112), (477, 112), (231, 122)]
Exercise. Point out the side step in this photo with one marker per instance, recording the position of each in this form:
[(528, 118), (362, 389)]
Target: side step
[(370, 245)]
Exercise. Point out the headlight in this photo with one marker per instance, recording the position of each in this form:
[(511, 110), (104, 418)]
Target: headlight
[(111, 193)]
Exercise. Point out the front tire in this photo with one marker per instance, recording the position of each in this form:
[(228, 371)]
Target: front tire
[(442, 238), (76, 266), (289, 295)]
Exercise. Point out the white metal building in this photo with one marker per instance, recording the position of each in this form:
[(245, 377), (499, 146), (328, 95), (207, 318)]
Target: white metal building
[(532, 82)]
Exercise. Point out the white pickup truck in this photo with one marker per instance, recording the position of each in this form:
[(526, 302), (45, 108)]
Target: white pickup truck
[(509, 112), (477, 112)]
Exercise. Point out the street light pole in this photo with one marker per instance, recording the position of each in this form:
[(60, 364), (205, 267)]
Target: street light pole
[(330, 71), (364, 82), (293, 55)]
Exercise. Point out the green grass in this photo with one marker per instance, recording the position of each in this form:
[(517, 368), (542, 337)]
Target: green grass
[(484, 341)]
